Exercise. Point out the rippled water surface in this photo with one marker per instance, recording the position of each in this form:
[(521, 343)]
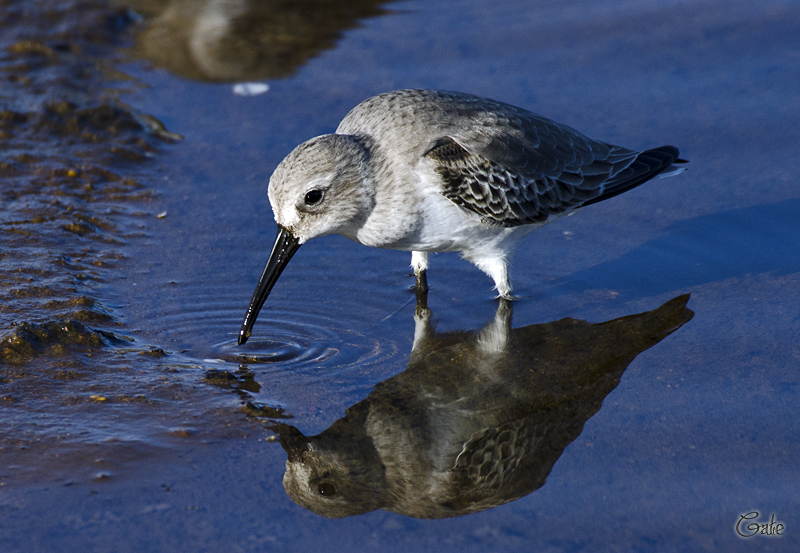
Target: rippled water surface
[(134, 225)]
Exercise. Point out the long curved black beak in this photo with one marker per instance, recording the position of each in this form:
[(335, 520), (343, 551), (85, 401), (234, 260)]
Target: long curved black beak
[(286, 244)]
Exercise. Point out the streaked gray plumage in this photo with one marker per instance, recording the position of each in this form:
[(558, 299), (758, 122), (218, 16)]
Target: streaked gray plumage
[(508, 165), (435, 171)]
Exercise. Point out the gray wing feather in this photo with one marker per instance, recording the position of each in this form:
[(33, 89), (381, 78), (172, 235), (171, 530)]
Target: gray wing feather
[(512, 167)]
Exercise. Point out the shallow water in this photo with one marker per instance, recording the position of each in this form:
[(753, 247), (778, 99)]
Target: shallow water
[(132, 421)]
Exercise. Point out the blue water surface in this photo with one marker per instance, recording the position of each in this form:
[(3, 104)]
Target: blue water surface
[(702, 427)]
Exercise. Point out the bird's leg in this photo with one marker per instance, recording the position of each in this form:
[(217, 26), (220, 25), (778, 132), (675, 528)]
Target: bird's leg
[(422, 319), (496, 267), (499, 272), (422, 282), (419, 262), (422, 294)]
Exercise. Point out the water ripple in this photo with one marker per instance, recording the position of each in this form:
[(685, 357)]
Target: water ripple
[(284, 339)]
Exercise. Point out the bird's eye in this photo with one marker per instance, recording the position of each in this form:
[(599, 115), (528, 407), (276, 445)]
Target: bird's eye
[(326, 488), (313, 197)]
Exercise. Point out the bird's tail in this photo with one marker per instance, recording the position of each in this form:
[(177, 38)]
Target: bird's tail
[(662, 161)]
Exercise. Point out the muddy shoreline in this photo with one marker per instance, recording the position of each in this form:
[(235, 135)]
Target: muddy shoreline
[(78, 168)]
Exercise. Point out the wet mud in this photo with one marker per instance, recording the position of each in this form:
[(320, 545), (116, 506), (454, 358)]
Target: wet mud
[(76, 172), (71, 195)]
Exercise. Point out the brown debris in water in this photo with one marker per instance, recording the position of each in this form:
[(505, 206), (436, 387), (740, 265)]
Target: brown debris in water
[(53, 339), (76, 174), (73, 158), (262, 410)]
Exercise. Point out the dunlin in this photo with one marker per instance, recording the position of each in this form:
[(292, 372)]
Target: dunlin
[(434, 171)]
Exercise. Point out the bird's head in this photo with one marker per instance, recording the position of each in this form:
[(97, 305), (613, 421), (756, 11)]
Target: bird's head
[(324, 186)]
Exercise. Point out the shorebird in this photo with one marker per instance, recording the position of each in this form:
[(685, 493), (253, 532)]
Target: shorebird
[(436, 171)]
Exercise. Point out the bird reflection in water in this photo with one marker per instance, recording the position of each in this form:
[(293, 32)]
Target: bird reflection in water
[(234, 40), (478, 419)]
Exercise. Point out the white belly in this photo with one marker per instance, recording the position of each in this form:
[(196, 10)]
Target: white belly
[(424, 220)]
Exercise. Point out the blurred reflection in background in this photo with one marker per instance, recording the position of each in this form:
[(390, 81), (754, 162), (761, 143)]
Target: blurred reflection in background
[(236, 40)]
